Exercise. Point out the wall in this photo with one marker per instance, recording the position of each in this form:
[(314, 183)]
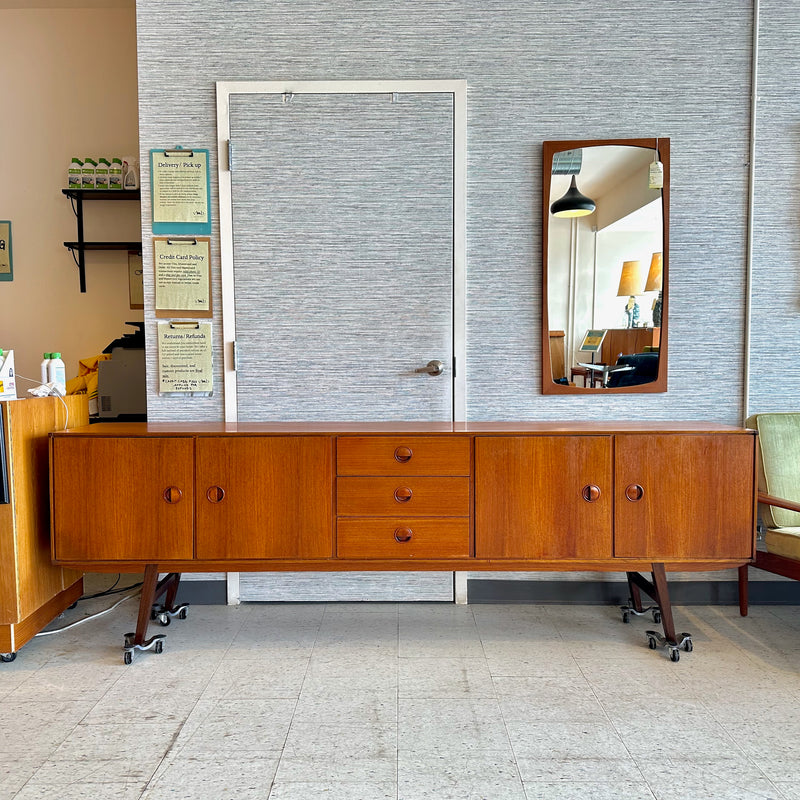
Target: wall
[(536, 70), (62, 99), (775, 341)]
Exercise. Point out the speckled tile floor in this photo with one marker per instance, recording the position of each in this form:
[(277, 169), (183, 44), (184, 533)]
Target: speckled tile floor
[(406, 702)]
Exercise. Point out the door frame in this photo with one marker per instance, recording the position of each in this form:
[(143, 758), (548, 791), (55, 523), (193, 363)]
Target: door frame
[(458, 88)]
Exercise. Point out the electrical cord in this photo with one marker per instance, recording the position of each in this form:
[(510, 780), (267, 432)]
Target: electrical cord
[(52, 394), (110, 591), (90, 617)]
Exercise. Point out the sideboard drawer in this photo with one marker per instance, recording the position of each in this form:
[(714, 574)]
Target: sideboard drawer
[(370, 497), (403, 455), (403, 537)]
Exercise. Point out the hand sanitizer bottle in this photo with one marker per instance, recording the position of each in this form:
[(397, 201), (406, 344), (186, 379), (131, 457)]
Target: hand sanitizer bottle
[(44, 368)]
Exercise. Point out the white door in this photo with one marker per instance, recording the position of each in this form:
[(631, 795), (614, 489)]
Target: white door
[(342, 234)]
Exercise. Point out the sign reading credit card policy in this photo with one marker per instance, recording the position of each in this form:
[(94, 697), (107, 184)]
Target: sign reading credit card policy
[(184, 357), (181, 200), (182, 275)]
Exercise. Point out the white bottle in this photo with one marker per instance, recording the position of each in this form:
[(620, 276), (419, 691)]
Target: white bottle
[(87, 173), (44, 367), (57, 373), (115, 174), (101, 174), (74, 174), (130, 178)]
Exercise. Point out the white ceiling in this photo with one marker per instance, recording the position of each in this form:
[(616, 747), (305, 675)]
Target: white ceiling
[(603, 167)]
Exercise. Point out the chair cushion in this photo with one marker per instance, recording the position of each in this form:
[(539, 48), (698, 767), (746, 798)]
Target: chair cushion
[(784, 542), (779, 464)]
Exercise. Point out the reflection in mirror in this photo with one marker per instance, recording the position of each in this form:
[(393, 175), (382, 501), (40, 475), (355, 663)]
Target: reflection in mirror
[(605, 247)]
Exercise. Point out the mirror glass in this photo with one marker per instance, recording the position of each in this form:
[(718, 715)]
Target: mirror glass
[(605, 253)]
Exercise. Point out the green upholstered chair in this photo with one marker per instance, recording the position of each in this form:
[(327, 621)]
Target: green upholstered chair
[(778, 496)]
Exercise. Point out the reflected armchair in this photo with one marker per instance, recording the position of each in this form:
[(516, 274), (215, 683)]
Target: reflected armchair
[(645, 370), (778, 497)]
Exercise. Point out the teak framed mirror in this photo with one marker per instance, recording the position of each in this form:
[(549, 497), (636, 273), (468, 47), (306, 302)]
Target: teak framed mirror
[(605, 266)]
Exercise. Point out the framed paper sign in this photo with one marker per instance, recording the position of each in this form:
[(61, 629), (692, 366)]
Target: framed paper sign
[(6, 263), (182, 276), (180, 192)]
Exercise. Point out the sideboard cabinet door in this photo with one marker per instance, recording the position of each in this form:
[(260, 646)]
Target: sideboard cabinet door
[(118, 499), (264, 497), (684, 496), (543, 497)]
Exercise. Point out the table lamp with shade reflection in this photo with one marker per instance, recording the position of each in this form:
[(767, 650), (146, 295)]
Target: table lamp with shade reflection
[(654, 284), (631, 283)]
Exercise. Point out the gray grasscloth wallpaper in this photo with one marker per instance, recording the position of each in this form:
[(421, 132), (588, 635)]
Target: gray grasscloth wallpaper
[(539, 70)]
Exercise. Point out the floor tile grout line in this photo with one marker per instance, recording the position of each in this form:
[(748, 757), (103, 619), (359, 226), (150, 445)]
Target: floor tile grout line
[(170, 754)]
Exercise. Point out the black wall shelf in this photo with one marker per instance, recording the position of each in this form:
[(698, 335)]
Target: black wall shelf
[(77, 196)]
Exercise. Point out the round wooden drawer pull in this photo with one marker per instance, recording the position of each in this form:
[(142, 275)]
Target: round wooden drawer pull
[(590, 493), (403, 494), (634, 492), (403, 454), (403, 534), (215, 494), (172, 494)]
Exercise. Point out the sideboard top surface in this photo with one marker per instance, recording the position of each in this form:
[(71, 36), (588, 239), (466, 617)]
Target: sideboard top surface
[(384, 428)]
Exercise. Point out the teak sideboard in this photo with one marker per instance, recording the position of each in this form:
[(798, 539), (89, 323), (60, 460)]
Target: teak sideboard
[(622, 497)]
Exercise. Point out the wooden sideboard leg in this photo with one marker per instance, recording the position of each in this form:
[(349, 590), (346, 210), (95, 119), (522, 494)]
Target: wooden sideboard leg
[(658, 590), (744, 599), (669, 640), (165, 611), (138, 641), (635, 600)]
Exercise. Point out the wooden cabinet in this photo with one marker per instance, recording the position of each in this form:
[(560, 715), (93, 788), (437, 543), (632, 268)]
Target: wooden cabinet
[(683, 497), (123, 499), (264, 497), (626, 341), (403, 497), (543, 497), (572, 496), (32, 590), (661, 497)]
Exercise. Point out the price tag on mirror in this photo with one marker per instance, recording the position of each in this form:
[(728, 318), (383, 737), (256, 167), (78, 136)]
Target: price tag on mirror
[(656, 180)]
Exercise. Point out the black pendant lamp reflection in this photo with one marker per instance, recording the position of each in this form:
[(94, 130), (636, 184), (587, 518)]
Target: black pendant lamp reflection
[(573, 203)]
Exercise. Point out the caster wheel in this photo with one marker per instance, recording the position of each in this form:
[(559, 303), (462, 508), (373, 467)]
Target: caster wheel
[(656, 616), (74, 605), (129, 639), (7, 658), (626, 617), (687, 646), (127, 657), (674, 655), (183, 613), (153, 615), (158, 647), (651, 643)]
